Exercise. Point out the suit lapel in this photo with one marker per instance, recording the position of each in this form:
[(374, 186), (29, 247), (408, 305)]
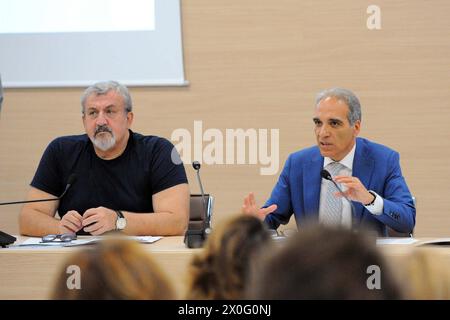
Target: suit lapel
[(311, 186), (363, 166)]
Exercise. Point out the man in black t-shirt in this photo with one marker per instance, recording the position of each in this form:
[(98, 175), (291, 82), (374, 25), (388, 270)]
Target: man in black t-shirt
[(122, 180)]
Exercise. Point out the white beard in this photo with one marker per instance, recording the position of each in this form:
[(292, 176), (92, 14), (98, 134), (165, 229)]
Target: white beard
[(105, 142)]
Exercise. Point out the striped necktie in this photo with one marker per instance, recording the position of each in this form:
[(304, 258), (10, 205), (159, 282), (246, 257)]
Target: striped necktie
[(333, 204)]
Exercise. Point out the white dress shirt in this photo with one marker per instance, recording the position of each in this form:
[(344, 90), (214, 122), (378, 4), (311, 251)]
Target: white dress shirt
[(376, 208)]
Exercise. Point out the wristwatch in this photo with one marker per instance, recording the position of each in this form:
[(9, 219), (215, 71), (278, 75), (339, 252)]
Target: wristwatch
[(121, 222), (374, 198)]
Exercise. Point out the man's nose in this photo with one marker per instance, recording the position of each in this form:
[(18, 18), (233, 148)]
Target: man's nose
[(324, 131), (101, 119)]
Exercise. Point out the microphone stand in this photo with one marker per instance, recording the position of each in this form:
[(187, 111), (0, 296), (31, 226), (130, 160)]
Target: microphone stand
[(70, 181), (196, 165), (7, 239)]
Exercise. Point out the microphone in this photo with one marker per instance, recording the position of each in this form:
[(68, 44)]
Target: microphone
[(7, 239), (327, 176), (70, 182), (196, 165)]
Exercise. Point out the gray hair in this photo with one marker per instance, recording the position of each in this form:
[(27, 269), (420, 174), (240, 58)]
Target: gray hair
[(348, 97), (100, 88)]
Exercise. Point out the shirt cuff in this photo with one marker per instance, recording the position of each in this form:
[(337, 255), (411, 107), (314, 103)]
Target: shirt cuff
[(377, 207)]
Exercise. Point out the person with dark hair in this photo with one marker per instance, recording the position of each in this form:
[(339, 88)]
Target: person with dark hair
[(324, 263), (369, 174), (124, 180), (113, 270), (221, 270)]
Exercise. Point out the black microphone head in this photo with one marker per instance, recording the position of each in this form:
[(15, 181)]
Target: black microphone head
[(70, 181), (196, 165), (72, 178), (326, 175)]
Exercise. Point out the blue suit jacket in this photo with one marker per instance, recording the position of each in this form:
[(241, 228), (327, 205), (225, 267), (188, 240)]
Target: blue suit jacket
[(298, 189)]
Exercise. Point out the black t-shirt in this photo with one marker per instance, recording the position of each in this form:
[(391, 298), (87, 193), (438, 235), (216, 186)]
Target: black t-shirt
[(124, 183)]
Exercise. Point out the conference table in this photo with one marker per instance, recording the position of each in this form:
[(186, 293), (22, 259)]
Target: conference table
[(31, 272)]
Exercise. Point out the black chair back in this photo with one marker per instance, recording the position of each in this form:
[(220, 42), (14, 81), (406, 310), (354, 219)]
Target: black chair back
[(199, 220)]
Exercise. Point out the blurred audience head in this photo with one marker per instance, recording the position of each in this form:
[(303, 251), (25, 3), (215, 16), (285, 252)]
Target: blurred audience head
[(425, 274), (324, 263), (220, 271), (113, 269)]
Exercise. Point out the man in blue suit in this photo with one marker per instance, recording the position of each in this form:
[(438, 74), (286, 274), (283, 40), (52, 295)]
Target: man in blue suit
[(368, 173)]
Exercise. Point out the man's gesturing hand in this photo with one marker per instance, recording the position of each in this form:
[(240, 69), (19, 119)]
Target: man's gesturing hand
[(356, 191), (250, 207)]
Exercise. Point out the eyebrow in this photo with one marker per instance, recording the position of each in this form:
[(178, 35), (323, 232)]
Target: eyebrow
[(107, 107), (315, 119), (336, 120)]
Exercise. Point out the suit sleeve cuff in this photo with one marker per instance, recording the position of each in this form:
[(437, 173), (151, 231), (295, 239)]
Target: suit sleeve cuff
[(377, 207)]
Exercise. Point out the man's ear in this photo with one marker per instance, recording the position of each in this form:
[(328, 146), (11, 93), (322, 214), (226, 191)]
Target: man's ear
[(357, 127), (130, 117)]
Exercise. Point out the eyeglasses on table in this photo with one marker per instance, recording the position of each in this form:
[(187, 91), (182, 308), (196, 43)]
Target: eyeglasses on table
[(65, 237)]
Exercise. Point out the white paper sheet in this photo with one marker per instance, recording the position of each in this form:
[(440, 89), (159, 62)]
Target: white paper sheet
[(33, 241), (407, 240)]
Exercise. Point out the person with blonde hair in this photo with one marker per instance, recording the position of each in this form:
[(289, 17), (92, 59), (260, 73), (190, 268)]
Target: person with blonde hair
[(114, 270), (221, 270), (426, 275)]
